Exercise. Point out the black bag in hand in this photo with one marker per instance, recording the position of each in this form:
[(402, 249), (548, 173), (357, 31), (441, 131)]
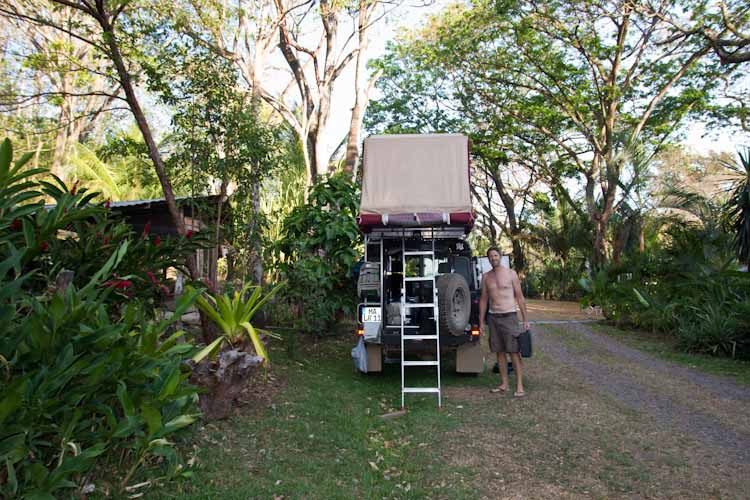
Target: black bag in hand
[(524, 344)]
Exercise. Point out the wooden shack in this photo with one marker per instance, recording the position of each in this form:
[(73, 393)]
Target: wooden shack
[(199, 212)]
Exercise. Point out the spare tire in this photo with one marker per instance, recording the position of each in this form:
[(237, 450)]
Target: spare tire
[(454, 302)]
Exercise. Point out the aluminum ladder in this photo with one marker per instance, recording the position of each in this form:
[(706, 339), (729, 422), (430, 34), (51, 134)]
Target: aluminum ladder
[(412, 305)]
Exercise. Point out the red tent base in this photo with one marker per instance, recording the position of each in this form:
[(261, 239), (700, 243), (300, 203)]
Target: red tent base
[(367, 222)]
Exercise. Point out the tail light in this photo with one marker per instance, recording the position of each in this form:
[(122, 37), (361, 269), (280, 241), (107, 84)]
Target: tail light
[(475, 331), (360, 331)]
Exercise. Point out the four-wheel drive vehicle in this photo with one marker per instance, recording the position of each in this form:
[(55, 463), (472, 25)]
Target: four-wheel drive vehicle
[(418, 286)]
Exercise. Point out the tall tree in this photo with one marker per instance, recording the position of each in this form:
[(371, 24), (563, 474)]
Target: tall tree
[(592, 79), (317, 47), (419, 97), (50, 69), (314, 86), (110, 30), (223, 143)]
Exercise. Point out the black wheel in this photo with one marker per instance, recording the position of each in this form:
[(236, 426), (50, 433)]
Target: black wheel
[(454, 301)]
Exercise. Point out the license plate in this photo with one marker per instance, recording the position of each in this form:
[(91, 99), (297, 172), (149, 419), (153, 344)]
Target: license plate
[(370, 314)]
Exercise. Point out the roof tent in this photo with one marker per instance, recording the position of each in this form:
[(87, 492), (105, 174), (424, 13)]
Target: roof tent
[(416, 180)]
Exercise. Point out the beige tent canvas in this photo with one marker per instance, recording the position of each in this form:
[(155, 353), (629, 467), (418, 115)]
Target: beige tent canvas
[(426, 173)]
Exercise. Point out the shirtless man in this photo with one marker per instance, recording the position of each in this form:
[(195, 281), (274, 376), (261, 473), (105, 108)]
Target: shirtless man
[(502, 288)]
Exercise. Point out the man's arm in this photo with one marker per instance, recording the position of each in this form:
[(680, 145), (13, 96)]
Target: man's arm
[(483, 304), (518, 293)]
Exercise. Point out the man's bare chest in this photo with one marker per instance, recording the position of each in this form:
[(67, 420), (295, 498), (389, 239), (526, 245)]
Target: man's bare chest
[(499, 283)]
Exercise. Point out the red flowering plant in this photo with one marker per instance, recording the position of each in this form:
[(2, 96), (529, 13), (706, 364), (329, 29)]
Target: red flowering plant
[(78, 364), (30, 230), (142, 274), (75, 233)]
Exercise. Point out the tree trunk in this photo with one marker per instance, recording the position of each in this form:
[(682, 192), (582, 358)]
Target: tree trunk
[(61, 141), (361, 91), (493, 233), (212, 266), (600, 244), (126, 82), (519, 259), (140, 118), (352, 143), (641, 239), (621, 241), (312, 158), (224, 379), (257, 265)]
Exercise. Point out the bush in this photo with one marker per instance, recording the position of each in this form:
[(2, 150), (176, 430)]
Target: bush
[(85, 374), (690, 289), (555, 281), (317, 252)]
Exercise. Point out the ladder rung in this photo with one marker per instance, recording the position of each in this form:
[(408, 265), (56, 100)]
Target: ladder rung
[(405, 336), (421, 363)]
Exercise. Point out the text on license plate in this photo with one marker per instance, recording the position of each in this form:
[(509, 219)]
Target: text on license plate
[(370, 314)]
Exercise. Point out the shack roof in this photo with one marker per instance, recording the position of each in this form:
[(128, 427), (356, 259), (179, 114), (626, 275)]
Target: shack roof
[(155, 212), (197, 210)]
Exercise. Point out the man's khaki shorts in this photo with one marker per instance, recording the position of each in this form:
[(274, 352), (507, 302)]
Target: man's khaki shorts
[(504, 332)]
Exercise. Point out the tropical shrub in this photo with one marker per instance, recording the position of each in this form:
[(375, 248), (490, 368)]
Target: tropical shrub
[(690, 289), (80, 383), (85, 375), (556, 280), (317, 252), (89, 239), (737, 207), (233, 313)]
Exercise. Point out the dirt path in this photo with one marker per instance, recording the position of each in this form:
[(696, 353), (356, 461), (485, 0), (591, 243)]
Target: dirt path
[(604, 420), (701, 406), (558, 310)]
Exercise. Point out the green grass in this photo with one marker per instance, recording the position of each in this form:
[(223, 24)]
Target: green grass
[(320, 435), (323, 437), (664, 348)]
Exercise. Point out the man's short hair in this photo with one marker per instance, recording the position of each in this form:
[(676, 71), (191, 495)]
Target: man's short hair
[(493, 249)]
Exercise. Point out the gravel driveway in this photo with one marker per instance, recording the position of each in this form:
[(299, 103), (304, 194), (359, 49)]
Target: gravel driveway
[(711, 409), (601, 420)]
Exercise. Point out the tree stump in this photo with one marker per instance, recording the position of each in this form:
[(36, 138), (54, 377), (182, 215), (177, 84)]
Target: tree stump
[(223, 378)]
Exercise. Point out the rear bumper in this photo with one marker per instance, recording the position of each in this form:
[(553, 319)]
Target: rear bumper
[(391, 338)]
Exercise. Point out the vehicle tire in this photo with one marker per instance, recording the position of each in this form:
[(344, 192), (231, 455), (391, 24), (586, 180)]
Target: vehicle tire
[(454, 301)]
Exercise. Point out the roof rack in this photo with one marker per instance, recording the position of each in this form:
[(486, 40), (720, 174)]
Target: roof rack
[(445, 232)]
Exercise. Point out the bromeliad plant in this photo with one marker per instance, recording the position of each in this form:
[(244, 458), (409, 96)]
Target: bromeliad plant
[(233, 313)]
